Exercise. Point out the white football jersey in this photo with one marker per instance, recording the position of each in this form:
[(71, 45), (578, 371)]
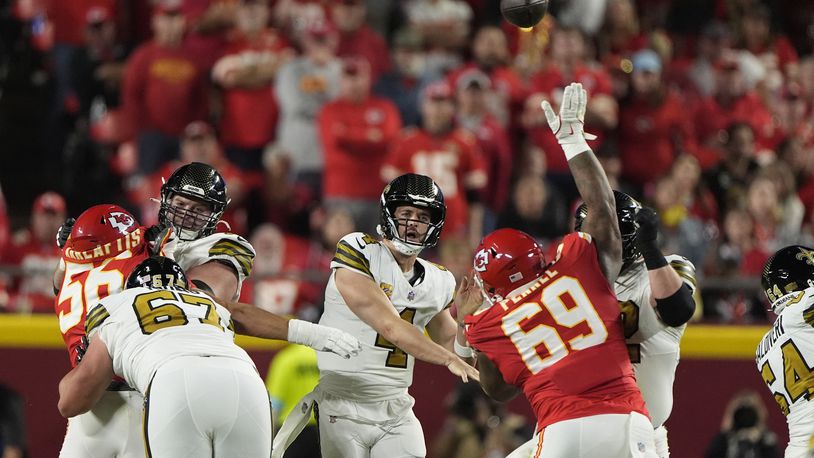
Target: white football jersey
[(145, 328), (653, 346), (785, 360), (381, 368), (230, 248)]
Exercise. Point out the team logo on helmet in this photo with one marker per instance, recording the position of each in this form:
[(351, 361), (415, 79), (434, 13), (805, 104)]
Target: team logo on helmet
[(119, 220), (481, 260), (806, 255)]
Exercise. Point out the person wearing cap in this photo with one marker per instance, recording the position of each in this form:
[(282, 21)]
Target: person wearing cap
[(356, 130), (755, 34), (655, 125), (33, 252), (567, 62), (712, 43), (246, 75), (164, 89), (356, 38), (198, 144), (490, 55), (447, 154), (472, 91), (731, 102), (302, 87), (403, 83)]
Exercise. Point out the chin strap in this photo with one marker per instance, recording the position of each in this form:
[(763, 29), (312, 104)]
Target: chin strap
[(407, 249)]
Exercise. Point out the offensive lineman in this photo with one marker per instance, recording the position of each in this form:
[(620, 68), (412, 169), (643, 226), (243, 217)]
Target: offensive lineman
[(383, 293), (202, 393), (656, 296), (553, 330), (785, 355)]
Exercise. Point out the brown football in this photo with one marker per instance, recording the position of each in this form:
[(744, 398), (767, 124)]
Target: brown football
[(523, 13)]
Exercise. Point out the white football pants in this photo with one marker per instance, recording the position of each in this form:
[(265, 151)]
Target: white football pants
[(111, 428), (207, 406)]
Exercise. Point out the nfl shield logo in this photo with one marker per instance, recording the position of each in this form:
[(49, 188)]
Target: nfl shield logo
[(411, 295)]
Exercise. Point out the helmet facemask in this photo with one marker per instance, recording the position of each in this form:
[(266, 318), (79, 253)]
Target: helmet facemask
[(489, 293), (412, 242), (188, 223)]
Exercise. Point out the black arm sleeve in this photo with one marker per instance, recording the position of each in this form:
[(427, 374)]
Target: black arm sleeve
[(678, 308)]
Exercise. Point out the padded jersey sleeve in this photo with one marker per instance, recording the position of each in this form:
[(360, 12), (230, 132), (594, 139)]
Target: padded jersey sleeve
[(685, 270), (354, 252)]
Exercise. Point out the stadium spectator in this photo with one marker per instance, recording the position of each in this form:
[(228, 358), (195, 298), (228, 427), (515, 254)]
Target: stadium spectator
[(490, 55), (12, 424), (292, 17), (620, 33), (444, 26), (4, 224), (97, 67), (536, 208), (246, 76), (567, 62), (356, 130), (209, 24), (164, 89), (728, 180), (448, 155), (477, 426), (473, 115), (303, 86), (198, 144), (292, 374), (35, 254), (755, 35), (712, 43), (743, 430), (654, 126), (731, 102), (771, 230), (356, 38), (403, 84)]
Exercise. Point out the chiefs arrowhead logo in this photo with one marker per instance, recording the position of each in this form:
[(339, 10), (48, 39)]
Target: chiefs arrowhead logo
[(481, 260), (120, 221)]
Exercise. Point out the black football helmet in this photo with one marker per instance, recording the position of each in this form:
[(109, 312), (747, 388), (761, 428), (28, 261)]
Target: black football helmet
[(157, 272), (416, 191), (626, 210), (789, 270), (195, 181)]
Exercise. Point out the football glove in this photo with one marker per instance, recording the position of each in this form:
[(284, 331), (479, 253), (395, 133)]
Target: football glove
[(161, 240), (82, 348), (64, 231), (568, 125), (323, 338)]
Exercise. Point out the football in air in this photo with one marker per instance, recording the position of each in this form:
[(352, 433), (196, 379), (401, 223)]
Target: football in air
[(524, 13)]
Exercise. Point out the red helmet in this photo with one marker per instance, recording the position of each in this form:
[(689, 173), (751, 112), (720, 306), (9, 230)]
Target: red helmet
[(505, 260), (101, 232)]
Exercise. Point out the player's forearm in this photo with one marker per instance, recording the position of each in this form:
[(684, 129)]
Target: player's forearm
[(492, 381), (408, 338), (78, 392), (256, 322), (593, 184)]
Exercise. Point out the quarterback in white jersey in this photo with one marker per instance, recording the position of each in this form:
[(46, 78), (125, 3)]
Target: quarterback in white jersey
[(785, 355), (382, 293), (164, 339)]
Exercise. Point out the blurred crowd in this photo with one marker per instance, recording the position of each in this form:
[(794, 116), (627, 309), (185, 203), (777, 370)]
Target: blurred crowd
[(703, 110)]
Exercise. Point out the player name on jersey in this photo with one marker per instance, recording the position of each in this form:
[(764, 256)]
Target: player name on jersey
[(769, 339), (105, 251)]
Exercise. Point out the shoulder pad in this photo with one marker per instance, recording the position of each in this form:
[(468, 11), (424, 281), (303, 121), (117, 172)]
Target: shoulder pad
[(350, 252), (237, 250)]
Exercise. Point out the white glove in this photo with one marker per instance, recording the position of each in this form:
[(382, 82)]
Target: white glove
[(568, 126), (323, 338)]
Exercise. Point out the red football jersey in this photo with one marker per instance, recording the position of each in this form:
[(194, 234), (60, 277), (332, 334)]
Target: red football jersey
[(453, 160), (90, 277), (560, 340)]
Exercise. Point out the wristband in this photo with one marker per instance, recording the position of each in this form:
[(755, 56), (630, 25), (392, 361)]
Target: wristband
[(653, 258), (463, 351), (300, 332), (574, 149)]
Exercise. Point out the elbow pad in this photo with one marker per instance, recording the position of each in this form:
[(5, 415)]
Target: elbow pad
[(678, 308)]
